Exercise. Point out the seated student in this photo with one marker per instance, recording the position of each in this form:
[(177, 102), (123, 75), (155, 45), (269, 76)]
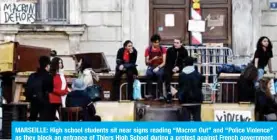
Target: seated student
[(174, 63), (246, 84), (190, 90), (79, 98), (265, 103), (125, 63), (155, 56)]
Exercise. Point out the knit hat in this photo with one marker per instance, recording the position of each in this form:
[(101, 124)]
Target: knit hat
[(44, 61), (78, 84)]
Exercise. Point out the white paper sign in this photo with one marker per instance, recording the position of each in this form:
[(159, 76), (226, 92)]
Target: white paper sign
[(169, 20), (197, 25), (19, 12), (232, 116)]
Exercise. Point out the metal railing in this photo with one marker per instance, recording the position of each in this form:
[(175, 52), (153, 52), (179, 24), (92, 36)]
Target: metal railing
[(221, 92), (209, 59), (52, 11)]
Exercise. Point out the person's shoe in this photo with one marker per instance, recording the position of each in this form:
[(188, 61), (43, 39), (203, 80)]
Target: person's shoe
[(169, 98), (147, 97)]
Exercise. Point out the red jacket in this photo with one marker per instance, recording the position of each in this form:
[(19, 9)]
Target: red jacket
[(55, 96)]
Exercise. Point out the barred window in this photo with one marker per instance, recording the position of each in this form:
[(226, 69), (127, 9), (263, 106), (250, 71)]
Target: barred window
[(52, 11)]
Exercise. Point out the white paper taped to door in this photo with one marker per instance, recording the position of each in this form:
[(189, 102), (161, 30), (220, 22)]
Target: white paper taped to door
[(169, 20)]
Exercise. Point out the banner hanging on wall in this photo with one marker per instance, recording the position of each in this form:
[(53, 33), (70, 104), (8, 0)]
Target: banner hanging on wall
[(18, 13)]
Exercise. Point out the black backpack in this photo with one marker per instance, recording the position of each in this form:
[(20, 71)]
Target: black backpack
[(34, 88)]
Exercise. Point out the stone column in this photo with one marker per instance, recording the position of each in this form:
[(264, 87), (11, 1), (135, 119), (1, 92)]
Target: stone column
[(75, 12)]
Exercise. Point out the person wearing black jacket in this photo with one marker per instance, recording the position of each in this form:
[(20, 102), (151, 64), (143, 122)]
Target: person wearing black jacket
[(190, 90), (38, 86), (78, 97), (174, 63), (125, 64)]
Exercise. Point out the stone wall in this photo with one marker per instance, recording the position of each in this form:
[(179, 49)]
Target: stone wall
[(111, 22), (269, 26)]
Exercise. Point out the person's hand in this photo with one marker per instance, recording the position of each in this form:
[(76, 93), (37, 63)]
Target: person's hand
[(176, 69), (156, 70), (156, 57), (131, 50), (121, 67)]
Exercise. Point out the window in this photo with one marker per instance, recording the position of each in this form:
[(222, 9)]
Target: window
[(52, 11)]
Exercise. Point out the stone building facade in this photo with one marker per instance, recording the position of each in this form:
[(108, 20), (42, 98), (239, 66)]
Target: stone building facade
[(103, 26)]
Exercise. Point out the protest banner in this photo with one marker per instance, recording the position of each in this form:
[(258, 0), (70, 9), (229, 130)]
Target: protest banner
[(18, 13)]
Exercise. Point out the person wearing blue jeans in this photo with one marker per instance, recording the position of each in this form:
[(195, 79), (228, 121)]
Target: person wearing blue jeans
[(262, 57), (155, 73), (155, 60)]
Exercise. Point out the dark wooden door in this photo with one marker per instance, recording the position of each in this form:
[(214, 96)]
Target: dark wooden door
[(218, 16), (169, 19), (217, 13)]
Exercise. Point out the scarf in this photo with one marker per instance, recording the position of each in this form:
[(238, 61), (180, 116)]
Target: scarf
[(126, 55)]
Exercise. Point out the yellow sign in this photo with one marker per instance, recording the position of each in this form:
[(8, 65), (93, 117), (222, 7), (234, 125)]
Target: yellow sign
[(115, 111), (6, 57), (196, 4)]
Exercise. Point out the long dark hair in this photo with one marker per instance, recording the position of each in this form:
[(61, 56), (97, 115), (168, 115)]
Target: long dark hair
[(126, 43), (85, 63), (250, 73), (264, 86), (54, 67), (260, 45)]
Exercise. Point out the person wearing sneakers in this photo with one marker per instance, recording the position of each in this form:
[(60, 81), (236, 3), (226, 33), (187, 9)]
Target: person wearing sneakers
[(175, 57), (155, 56)]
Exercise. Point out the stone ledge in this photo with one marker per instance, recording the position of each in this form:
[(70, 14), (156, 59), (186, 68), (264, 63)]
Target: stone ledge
[(68, 29)]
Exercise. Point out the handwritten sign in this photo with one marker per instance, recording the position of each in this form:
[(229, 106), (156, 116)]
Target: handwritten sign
[(197, 25), (18, 13), (232, 116)]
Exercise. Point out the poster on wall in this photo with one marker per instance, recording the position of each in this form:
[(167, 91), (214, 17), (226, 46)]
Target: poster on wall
[(232, 116), (169, 20), (18, 13)]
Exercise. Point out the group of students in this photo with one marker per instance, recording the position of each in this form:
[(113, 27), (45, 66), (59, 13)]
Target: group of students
[(162, 64), (47, 86), (254, 87)]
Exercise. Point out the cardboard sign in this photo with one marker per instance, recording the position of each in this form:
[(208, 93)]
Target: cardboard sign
[(232, 116)]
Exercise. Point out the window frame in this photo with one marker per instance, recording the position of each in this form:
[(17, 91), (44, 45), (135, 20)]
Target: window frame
[(44, 18)]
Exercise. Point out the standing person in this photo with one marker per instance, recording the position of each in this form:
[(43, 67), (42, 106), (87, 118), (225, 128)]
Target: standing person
[(60, 86), (190, 90), (175, 57), (263, 55), (155, 56), (125, 63), (38, 87)]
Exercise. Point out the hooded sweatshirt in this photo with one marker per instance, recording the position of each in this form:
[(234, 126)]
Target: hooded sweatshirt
[(190, 82)]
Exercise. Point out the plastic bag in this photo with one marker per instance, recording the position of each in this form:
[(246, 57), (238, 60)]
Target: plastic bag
[(137, 90)]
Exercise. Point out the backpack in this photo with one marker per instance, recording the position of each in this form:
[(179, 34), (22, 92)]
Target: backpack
[(34, 88)]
